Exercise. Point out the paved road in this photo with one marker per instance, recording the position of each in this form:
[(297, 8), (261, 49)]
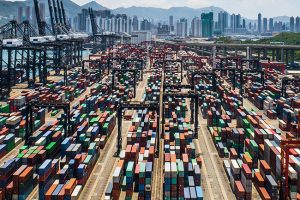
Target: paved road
[(104, 168)]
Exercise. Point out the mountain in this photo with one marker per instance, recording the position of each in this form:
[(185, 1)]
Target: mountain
[(158, 14), (8, 8), (282, 18), (95, 5)]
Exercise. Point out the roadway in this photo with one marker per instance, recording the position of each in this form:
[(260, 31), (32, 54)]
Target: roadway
[(213, 176), (104, 168)]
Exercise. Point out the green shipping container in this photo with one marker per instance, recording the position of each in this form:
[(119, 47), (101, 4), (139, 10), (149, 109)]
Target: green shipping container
[(129, 169), (246, 123), (5, 108), (50, 148)]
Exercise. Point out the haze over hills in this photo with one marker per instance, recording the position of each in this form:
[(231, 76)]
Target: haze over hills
[(282, 18), (163, 14), (94, 5), (8, 8)]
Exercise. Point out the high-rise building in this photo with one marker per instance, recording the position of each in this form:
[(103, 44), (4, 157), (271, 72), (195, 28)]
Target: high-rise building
[(171, 23), (82, 22), (222, 21), (233, 22), (196, 27), (265, 25), (33, 18), (237, 25), (75, 23), (278, 26), (113, 24), (181, 28), (244, 23), (101, 23), (297, 27), (271, 25), (163, 29), (27, 13), (88, 25), (20, 14), (82, 19), (129, 25), (119, 24), (42, 11), (250, 26), (123, 23), (292, 24), (135, 23), (207, 24), (238, 21), (259, 24), (145, 25)]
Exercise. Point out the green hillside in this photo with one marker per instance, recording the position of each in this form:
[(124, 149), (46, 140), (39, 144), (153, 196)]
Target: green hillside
[(287, 38)]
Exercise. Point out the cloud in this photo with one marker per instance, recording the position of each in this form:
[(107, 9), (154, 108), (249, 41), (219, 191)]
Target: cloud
[(247, 8)]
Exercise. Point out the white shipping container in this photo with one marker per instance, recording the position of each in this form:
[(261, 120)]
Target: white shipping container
[(41, 141), (282, 123), (97, 141), (173, 169), (168, 169), (152, 141), (2, 137), (89, 131), (146, 154), (76, 192), (234, 166), (141, 157), (293, 195), (117, 175), (297, 150), (270, 134), (269, 99), (226, 164), (13, 120), (122, 154), (292, 173), (278, 149), (294, 159)]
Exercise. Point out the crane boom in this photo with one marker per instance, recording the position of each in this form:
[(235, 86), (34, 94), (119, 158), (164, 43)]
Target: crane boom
[(93, 22), (40, 24), (63, 13), (55, 12), (51, 17), (59, 12)]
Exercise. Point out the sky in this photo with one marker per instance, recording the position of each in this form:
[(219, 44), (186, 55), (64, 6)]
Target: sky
[(247, 8)]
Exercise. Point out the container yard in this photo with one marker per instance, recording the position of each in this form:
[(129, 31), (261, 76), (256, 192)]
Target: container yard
[(169, 127), (158, 120)]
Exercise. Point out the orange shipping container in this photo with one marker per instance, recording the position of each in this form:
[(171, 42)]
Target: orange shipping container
[(50, 191), (26, 174), (263, 193)]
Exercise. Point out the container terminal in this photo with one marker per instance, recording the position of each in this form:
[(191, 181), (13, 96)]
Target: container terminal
[(158, 120)]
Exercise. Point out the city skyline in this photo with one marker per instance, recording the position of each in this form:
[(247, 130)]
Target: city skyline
[(206, 25), (249, 9)]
